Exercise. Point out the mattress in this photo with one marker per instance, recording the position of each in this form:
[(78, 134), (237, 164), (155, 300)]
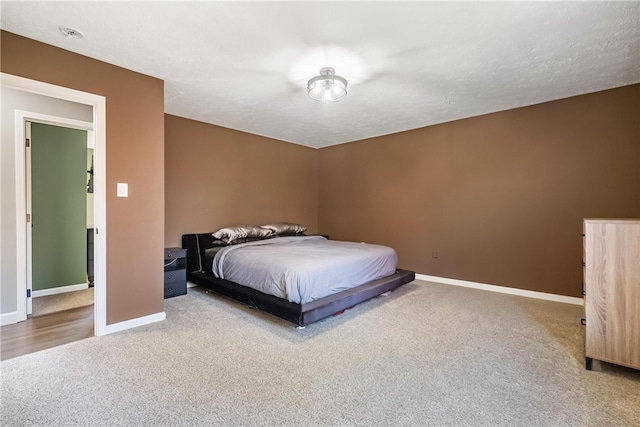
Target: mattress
[(302, 269)]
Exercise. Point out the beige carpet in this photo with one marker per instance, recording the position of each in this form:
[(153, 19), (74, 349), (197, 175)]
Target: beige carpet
[(59, 302), (428, 354)]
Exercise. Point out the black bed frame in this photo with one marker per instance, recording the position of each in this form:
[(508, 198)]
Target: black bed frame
[(300, 314)]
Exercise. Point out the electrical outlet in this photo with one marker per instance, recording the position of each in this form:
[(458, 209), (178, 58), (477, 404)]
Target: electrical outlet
[(435, 253)]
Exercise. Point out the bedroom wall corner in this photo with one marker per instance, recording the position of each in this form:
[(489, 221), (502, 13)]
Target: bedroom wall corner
[(216, 177), (499, 197)]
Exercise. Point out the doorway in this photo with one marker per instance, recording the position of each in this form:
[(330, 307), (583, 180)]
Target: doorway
[(98, 134), (59, 196), (59, 303)]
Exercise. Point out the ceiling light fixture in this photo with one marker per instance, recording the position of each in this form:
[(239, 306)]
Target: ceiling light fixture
[(327, 87), (72, 33)]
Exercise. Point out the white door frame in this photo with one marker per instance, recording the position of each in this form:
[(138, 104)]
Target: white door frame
[(100, 223), (21, 119)]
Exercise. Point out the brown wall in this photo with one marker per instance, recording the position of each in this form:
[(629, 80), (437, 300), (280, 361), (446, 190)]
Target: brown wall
[(216, 177), (501, 197), (135, 154)]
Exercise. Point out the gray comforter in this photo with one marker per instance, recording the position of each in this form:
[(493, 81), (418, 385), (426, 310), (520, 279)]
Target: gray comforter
[(303, 268)]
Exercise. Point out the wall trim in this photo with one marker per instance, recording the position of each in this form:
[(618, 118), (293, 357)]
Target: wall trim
[(134, 323), (8, 318), (59, 290), (502, 289)]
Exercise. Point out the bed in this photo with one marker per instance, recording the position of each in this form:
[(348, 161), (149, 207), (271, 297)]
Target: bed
[(299, 278)]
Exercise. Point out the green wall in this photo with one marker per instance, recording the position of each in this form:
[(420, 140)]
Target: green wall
[(59, 209)]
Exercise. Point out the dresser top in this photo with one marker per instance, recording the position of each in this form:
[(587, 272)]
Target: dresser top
[(612, 220)]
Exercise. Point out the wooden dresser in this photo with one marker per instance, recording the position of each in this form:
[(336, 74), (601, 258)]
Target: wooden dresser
[(612, 291)]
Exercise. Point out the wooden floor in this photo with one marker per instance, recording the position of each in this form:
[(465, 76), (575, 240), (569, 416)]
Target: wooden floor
[(46, 331)]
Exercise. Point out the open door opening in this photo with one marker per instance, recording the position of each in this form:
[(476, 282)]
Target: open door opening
[(59, 199)]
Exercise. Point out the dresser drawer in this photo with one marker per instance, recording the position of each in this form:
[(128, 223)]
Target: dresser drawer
[(174, 289), (175, 276)]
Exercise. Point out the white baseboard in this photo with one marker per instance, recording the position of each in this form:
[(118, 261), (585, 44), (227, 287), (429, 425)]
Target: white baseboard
[(8, 318), (134, 323), (191, 285), (503, 289), (59, 290)]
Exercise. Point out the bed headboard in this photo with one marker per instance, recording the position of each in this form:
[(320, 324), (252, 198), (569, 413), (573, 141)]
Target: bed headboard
[(196, 244)]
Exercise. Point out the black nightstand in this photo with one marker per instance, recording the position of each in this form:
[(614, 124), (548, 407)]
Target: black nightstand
[(175, 272)]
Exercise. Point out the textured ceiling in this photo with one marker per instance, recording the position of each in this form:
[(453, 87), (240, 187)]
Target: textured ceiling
[(245, 65)]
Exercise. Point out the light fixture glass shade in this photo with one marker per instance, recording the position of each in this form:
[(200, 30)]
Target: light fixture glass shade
[(327, 87)]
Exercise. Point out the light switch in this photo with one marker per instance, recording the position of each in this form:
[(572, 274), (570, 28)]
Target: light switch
[(123, 189)]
